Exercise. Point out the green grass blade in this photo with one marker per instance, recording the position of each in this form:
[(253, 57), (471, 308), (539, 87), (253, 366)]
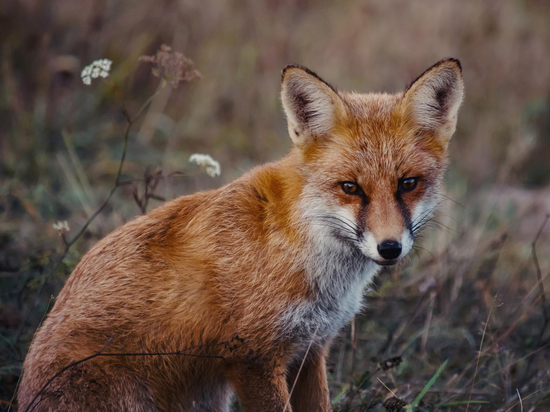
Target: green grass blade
[(461, 403), (427, 387), (339, 396)]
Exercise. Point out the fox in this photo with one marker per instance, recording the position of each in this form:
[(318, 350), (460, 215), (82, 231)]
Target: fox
[(241, 290)]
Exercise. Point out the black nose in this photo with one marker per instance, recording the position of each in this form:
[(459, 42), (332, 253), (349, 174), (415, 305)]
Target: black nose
[(389, 249)]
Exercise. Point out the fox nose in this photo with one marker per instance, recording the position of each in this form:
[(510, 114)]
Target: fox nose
[(389, 249)]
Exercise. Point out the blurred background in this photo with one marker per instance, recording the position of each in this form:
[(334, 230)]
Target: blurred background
[(472, 294)]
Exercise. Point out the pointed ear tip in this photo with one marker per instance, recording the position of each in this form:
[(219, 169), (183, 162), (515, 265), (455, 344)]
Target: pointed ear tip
[(299, 69), (304, 73), (291, 67), (451, 62)]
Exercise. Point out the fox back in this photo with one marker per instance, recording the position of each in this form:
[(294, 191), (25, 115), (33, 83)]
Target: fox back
[(242, 289)]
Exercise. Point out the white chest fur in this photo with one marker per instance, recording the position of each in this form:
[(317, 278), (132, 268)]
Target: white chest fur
[(338, 283)]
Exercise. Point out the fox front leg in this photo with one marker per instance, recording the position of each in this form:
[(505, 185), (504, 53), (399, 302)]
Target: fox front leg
[(260, 387), (310, 393)]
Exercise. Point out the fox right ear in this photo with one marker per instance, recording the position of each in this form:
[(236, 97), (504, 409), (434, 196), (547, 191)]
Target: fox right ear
[(433, 99), (311, 105)]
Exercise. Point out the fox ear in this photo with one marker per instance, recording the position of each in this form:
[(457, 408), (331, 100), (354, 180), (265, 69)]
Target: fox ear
[(432, 101), (311, 105)]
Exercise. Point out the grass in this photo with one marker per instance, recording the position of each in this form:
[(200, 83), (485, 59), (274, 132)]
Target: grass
[(472, 295), (426, 388), (489, 332)]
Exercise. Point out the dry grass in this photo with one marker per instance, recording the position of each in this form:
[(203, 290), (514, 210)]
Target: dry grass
[(60, 144)]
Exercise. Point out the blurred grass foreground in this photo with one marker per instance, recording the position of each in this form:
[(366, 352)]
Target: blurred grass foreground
[(470, 308)]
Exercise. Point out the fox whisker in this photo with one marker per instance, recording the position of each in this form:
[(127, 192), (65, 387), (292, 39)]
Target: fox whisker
[(352, 226), (342, 232), (420, 221)]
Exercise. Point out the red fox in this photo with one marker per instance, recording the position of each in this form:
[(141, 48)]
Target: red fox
[(242, 289)]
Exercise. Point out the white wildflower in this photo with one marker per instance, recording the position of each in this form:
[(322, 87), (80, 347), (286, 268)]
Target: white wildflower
[(99, 68), (205, 161), (61, 227)]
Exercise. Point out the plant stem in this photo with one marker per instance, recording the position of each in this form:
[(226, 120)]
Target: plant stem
[(116, 185)]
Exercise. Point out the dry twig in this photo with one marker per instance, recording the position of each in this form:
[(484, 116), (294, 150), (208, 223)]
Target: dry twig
[(542, 296), (230, 344), (539, 274), (479, 353), (300, 369)]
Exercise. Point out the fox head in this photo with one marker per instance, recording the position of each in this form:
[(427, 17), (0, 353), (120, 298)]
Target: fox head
[(372, 164)]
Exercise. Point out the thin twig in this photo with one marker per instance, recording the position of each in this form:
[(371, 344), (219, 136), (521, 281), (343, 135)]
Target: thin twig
[(353, 338), (352, 396), (30, 309), (69, 243), (31, 404), (517, 403), (479, 352), (428, 324), (542, 296), (182, 352), (520, 401), (21, 375), (515, 362), (385, 386), (8, 403), (300, 369), (539, 273)]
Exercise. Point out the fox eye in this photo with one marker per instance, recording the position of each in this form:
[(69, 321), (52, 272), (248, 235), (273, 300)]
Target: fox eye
[(351, 188), (408, 184)]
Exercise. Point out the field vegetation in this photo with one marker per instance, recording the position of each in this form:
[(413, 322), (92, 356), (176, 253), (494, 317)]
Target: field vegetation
[(461, 325)]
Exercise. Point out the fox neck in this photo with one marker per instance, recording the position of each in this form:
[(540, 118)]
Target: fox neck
[(336, 273)]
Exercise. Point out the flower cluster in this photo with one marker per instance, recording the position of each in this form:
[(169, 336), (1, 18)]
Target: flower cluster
[(98, 68), (173, 67), (61, 227), (205, 161)]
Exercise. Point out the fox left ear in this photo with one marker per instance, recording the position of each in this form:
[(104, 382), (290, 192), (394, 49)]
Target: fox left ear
[(433, 99), (311, 105)]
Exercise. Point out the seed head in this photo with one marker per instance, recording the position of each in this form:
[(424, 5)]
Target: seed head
[(391, 363), (394, 404), (174, 67)]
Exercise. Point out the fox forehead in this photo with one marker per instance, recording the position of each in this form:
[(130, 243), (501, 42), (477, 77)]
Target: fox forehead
[(375, 142), (372, 108)]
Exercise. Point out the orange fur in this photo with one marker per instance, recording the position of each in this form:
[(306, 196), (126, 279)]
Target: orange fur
[(250, 259)]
